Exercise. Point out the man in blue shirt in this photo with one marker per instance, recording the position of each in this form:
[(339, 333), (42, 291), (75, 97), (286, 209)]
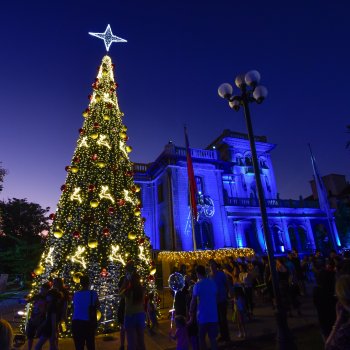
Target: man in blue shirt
[(204, 297), (219, 277)]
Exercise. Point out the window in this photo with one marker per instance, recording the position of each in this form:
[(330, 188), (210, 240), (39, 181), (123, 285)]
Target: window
[(160, 193)]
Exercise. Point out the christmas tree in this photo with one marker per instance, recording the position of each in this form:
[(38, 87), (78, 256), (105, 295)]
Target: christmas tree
[(97, 226)]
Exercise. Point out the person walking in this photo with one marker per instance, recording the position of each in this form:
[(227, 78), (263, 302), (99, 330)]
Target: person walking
[(339, 339), (37, 316), (204, 298), (219, 277), (6, 335), (135, 317), (83, 328)]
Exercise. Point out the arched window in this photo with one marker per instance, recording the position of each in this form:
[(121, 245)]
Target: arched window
[(277, 239)]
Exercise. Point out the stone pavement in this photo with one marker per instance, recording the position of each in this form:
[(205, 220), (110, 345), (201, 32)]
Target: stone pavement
[(262, 325)]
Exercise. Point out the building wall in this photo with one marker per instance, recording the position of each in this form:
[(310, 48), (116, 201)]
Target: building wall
[(226, 180)]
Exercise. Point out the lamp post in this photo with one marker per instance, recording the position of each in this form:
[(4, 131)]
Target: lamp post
[(251, 92)]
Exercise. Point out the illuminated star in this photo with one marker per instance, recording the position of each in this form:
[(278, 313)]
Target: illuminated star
[(108, 37)]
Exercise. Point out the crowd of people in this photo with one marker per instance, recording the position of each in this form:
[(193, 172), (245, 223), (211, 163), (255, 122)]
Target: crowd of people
[(201, 307)]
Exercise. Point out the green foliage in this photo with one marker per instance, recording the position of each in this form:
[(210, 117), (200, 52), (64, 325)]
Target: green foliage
[(20, 242), (3, 172)]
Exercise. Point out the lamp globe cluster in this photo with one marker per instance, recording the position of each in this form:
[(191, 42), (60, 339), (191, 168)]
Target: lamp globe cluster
[(249, 85)]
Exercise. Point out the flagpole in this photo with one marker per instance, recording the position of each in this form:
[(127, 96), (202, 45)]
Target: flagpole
[(324, 204), (192, 188)]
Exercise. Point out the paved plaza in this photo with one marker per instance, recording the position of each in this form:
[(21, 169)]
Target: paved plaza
[(261, 327)]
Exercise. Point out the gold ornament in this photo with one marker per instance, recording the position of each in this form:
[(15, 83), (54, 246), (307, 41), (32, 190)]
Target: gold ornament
[(124, 128), (58, 233), (74, 169), (93, 243), (131, 235), (153, 271), (98, 315), (101, 164), (128, 149), (94, 203), (94, 135), (122, 135), (97, 98), (76, 277), (137, 212), (106, 117), (85, 114), (39, 270)]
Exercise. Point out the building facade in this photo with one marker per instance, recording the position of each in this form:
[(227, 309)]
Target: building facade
[(229, 214)]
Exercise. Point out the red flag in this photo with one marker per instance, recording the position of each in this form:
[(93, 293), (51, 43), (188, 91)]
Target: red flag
[(191, 179)]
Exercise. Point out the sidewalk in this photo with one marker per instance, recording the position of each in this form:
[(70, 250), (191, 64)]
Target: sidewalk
[(263, 325)]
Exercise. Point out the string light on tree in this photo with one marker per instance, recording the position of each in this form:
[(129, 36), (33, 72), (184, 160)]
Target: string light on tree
[(89, 219)]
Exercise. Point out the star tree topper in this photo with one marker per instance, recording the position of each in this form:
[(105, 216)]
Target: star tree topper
[(108, 37)]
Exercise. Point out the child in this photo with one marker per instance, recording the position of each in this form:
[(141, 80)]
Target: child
[(239, 310), (38, 314), (181, 333), (152, 313)]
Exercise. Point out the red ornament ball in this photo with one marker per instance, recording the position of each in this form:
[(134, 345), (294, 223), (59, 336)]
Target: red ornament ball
[(104, 272), (67, 168), (106, 231), (150, 278), (76, 234), (94, 157), (109, 105), (63, 187), (96, 125), (52, 216), (90, 97), (143, 220), (121, 202), (141, 240), (81, 131), (76, 159), (91, 187), (111, 210)]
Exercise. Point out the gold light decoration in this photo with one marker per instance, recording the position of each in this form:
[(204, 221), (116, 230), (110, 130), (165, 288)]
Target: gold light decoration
[(152, 271), (78, 256), (75, 196), (116, 255), (105, 194), (128, 149), (103, 142), (205, 255), (83, 142)]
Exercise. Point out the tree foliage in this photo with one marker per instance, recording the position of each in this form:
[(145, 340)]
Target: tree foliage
[(20, 241)]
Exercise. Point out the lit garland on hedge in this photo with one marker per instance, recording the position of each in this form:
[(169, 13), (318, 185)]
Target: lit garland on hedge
[(205, 255), (97, 226)]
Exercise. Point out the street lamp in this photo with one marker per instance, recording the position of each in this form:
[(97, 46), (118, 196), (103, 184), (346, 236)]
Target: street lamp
[(251, 91)]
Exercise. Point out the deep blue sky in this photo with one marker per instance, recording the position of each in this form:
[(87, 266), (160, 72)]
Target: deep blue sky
[(178, 53)]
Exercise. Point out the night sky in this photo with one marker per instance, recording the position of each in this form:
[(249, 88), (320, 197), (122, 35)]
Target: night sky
[(178, 53)]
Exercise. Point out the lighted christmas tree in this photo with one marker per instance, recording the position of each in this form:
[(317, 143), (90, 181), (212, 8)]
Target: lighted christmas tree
[(97, 227)]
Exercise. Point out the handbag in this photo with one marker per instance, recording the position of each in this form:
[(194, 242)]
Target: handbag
[(92, 312)]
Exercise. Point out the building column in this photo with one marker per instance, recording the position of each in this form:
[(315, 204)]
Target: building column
[(260, 234), (286, 238), (310, 234)]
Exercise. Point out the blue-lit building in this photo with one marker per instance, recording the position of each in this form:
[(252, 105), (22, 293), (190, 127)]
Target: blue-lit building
[(229, 214)]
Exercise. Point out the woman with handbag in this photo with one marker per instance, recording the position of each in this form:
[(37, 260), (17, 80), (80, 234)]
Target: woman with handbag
[(85, 304)]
